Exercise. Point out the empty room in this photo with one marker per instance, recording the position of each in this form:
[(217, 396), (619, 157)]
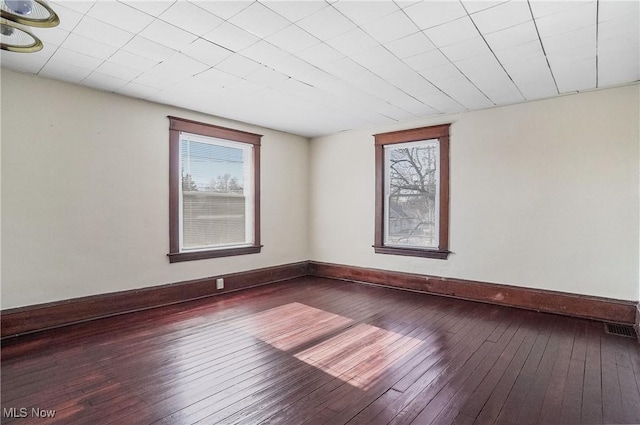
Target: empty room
[(320, 212)]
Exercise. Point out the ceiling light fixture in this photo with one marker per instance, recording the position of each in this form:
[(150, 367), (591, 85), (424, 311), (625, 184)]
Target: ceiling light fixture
[(35, 13), (14, 14), (16, 38)]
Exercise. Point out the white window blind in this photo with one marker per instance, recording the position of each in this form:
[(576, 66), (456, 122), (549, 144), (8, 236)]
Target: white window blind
[(216, 193)]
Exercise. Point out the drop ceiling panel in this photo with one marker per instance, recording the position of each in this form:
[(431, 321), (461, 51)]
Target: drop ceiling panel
[(502, 16), (434, 13), (259, 20), (326, 23), (89, 47), (411, 45), (104, 33), (120, 15), (452, 32), (200, 21), (391, 27), (361, 15), (351, 63)]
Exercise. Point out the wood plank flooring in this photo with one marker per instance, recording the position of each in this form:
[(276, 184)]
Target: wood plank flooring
[(317, 351)]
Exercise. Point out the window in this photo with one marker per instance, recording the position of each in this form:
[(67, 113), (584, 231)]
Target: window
[(214, 191), (412, 192)]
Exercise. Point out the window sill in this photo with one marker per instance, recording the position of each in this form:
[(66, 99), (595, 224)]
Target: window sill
[(176, 257), (412, 252)]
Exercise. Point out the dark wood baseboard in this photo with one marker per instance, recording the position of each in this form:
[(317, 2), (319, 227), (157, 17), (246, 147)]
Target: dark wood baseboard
[(34, 318), (584, 306), (637, 325), (29, 319)]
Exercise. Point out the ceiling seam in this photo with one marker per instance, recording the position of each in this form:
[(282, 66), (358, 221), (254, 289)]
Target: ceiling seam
[(492, 52), (542, 46)]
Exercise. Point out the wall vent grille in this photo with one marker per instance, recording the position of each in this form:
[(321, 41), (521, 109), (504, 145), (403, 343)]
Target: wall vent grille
[(621, 330)]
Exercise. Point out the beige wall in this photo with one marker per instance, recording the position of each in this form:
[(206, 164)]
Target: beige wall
[(85, 194), (543, 194)]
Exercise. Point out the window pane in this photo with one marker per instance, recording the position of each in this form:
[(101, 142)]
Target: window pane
[(214, 197), (412, 194)]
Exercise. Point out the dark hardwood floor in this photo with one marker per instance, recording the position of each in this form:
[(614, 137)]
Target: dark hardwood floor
[(318, 351)]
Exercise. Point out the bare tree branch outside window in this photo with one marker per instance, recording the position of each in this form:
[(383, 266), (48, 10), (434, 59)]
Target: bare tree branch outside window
[(413, 179)]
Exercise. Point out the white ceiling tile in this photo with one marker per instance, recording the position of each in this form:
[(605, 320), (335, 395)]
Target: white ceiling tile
[(520, 53), (89, 47), (79, 6), (429, 14), (413, 83), (267, 77), (441, 72), (320, 54), (608, 10), (238, 65), (119, 71), (572, 46), (410, 46), (390, 27), (568, 20), (352, 42), (343, 67), (214, 78), (192, 18), (426, 60), (206, 52), (104, 33), (156, 81), (575, 76), (374, 57), (621, 28), (244, 87), (317, 78), (120, 15), (68, 18), (265, 53), (231, 37), (295, 10), (533, 78), (465, 93), (488, 75), (474, 6), (452, 32), (361, 12), (223, 9), (502, 16), (77, 59), (140, 63), (393, 70), (466, 49), (168, 35), (64, 71), (103, 82), (150, 7), (618, 67), (294, 67), (293, 39), (546, 8), (137, 90), (326, 23), (54, 35), (259, 20), (179, 66), (519, 34), (441, 102), (148, 49)]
